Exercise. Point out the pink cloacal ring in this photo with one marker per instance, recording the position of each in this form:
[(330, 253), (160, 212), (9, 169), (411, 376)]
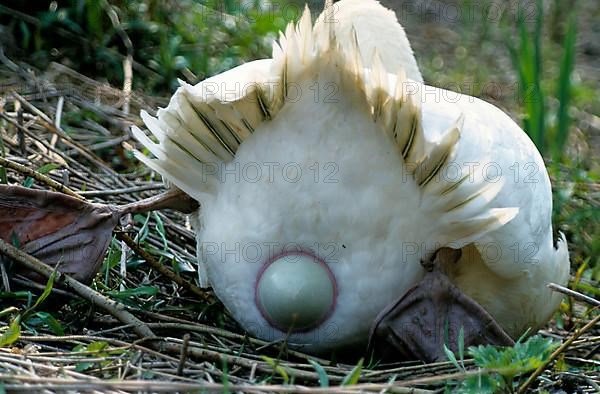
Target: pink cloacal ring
[(295, 291)]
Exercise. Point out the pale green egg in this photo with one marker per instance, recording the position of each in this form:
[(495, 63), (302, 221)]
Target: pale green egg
[(296, 292)]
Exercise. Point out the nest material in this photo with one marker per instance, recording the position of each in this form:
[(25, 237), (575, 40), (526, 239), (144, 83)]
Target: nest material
[(187, 341)]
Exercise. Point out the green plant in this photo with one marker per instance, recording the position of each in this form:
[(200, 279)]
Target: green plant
[(549, 133), (575, 210), (167, 40), (502, 367), (354, 375), (30, 316), (323, 378), (565, 90), (95, 350), (273, 363)]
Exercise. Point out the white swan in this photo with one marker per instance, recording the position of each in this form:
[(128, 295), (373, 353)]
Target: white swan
[(333, 155)]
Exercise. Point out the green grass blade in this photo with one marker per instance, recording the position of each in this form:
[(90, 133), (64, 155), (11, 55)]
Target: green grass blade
[(540, 117), (451, 357), (323, 378), (564, 89), (45, 293), (526, 57), (354, 375), (12, 334), (277, 368)]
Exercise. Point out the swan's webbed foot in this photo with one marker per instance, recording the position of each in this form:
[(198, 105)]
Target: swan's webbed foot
[(432, 314), (63, 230)]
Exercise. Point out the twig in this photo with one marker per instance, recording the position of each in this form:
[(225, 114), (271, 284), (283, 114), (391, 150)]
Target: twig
[(179, 324), (21, 280), (100, 88), (5, 281), (128, 72), (592, 352), (57, 119), (20, 134), (49, 149), (59, 109), (47, 122), (102, 145), (184, 354), (37, 176), (123, 265), (128, 60), (197, 350), (125, 190), (6, 61), (114, 308), (556, 353), (28, 363), (575, 294)]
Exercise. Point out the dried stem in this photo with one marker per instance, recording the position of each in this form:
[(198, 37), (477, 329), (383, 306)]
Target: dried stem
[(38, 177), (575, 294)]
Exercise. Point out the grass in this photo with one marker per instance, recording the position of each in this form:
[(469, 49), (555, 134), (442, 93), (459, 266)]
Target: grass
[(527, 59), (549, 128)]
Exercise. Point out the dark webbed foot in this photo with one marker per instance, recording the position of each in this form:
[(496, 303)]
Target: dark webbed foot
[(432, 314), (59, 229)]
